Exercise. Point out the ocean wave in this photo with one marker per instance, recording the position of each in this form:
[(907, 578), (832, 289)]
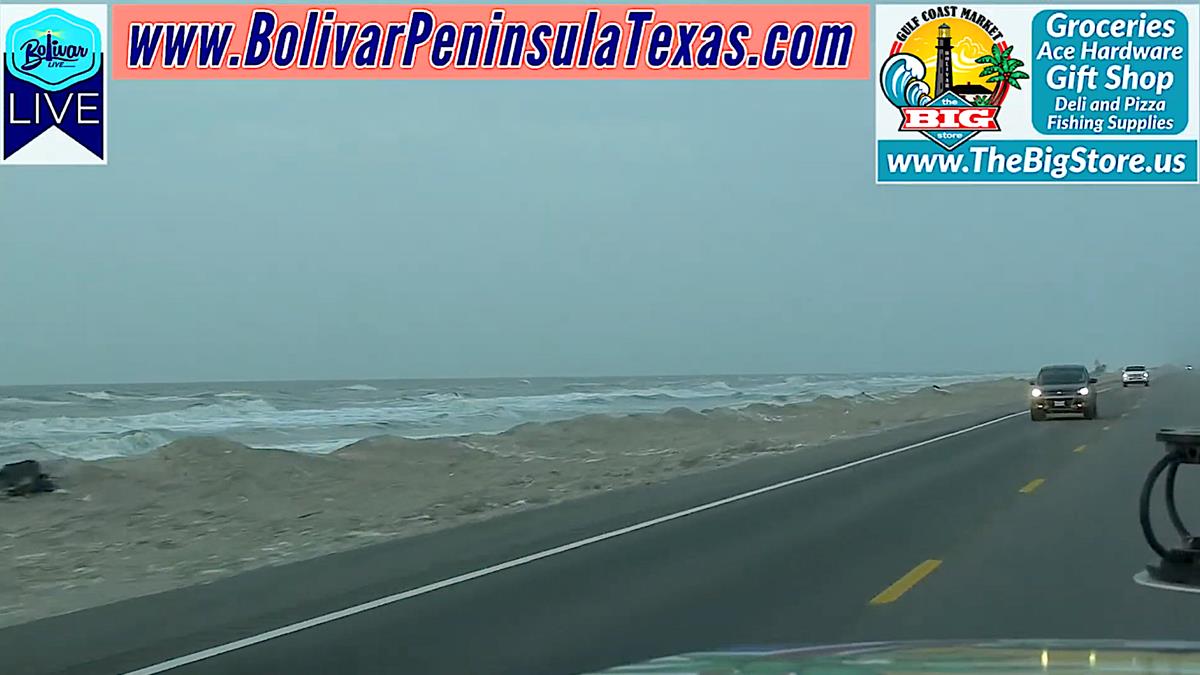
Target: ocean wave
[(109, 396), (571, 400), (318, 447), (118, 444), (359, 387), (198, 418), (102, 395), (716, 389), (17, 403), (25, 450), (307, 422), (439, 397)]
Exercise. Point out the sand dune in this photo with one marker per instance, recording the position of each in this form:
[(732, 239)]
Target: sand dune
[(203, 508)]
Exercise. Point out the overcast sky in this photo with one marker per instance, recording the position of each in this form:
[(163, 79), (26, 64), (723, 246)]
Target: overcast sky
[(422, 229)]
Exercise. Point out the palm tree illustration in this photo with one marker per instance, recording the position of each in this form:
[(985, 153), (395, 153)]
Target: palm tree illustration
[(1004, 71)]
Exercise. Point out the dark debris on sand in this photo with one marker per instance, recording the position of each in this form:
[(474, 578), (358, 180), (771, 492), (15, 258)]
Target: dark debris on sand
[(24, 478)]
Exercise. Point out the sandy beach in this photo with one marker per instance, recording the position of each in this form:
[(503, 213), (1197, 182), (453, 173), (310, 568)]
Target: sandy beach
[(204, 508)]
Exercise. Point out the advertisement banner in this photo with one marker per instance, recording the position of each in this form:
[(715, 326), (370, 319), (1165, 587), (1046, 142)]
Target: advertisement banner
[(1039, 94), (492, 42)]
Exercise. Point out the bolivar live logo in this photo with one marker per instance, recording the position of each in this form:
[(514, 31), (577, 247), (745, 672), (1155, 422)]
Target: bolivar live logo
[(54, 86), (960, 56)]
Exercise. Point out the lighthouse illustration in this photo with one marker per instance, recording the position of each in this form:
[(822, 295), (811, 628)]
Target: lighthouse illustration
[(918, 78), (944, 72)]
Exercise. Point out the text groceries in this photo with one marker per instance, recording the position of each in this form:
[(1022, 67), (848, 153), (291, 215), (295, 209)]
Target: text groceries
[(1111, 72)]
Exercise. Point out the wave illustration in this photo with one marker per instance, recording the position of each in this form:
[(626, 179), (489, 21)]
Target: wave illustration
[(903, 81)]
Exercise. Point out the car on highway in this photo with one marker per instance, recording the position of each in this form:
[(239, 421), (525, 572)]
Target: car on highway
[(1063, 389), (1135, 375)]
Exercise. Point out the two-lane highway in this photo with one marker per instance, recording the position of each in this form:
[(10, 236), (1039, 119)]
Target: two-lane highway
[(981, 526)]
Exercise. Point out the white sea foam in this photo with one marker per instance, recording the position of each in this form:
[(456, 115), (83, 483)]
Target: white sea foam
[(318, 447), (104, 445), (106, 423), (18, 402), (94, 395)]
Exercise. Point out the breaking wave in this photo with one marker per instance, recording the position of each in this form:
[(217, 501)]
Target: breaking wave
[(17, 403), (94, 395), (320, 418), (903, 81)]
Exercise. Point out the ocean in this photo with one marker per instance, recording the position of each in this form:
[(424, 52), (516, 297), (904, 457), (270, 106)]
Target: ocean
[(98, 421)]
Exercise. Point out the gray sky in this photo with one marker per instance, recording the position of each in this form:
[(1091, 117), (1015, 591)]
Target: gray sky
[(415, 229)]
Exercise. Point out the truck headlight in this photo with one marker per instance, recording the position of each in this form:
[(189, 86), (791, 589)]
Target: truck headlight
[(1036, 393), (1083, 391)]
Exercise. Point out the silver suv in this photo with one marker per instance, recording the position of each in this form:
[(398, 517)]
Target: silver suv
[(1135, 375), (1067, 389)]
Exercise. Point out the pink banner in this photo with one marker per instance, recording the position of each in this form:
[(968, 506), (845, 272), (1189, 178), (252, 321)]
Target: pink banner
[(471, 42)]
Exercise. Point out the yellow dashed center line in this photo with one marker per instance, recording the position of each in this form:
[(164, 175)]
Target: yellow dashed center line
[(1081, 448), (1032, 485), (904, 583)]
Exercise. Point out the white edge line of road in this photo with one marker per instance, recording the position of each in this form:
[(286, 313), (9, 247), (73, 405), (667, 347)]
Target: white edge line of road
[(533, 557)]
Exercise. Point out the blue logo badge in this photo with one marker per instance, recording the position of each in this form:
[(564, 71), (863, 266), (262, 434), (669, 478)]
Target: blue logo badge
[(53, 50), (53, 79)]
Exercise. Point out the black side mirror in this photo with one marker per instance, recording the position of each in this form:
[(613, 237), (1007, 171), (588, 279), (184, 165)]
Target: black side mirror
[(1092, 380), (1031, 383)]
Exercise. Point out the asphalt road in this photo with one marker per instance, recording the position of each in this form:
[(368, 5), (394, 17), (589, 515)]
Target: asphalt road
[(1015, 529)]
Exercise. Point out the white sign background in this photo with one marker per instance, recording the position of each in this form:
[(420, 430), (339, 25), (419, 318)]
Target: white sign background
[(1016, 24)]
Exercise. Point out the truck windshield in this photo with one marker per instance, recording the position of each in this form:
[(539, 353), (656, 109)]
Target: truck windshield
[(1061, 376)]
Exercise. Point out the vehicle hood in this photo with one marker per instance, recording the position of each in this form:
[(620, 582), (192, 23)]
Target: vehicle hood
[(891, 658), (1070, 386)]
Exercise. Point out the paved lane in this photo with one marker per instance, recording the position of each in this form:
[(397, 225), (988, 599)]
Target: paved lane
[(1016, 529), (1057, 562)]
